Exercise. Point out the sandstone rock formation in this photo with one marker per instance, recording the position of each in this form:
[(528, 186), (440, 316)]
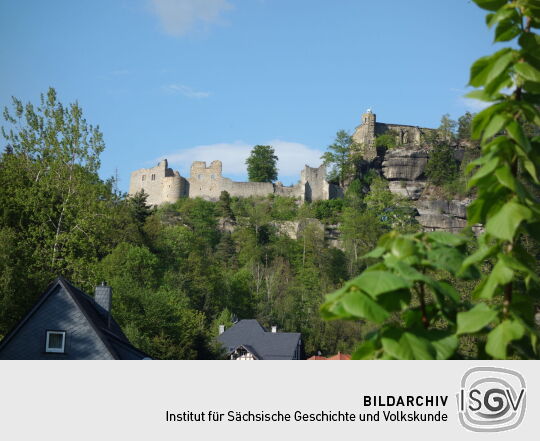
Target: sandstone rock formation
[(405, 164), (439, 215)]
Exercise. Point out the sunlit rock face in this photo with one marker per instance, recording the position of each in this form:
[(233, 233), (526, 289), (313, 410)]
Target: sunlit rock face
[(439, 215), (404, 164), (404, 168)]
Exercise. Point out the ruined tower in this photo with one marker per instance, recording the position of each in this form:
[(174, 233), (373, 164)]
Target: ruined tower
[(160, 183), (365, 135)]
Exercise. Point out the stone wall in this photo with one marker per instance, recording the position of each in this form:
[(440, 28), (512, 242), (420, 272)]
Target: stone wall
[(314, 182), (162, 184), (208, 183), (366, 133)]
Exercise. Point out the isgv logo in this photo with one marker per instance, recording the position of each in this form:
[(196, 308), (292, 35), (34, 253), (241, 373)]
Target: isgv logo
[(491, 399)]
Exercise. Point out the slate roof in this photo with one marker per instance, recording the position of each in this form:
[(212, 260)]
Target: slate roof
[(108, 331), (266, 345)]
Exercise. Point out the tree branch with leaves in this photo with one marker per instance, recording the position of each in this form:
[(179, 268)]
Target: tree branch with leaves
[(408, 291)]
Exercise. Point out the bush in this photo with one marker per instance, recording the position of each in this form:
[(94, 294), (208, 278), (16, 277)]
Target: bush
[(442, 168)]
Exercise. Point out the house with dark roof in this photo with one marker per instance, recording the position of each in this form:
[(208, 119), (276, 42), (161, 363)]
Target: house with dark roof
[(248, 340), (67, 324)]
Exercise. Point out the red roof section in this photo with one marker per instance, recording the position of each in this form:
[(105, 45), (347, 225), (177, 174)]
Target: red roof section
[(338, 356)]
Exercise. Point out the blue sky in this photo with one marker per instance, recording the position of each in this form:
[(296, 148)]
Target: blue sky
[(207, 79)]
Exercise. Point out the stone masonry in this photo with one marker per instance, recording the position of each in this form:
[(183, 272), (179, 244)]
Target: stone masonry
[(162, 184), (369, 129)]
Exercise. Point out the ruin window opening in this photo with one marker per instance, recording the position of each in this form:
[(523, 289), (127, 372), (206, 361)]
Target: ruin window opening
[(153, 177), (143, 177)]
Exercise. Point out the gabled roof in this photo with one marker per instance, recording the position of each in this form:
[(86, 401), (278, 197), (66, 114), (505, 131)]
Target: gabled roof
[(267, 345), (109, 332), (249, 349)]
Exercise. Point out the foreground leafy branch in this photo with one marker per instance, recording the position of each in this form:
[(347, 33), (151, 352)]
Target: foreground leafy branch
[(408, 293)]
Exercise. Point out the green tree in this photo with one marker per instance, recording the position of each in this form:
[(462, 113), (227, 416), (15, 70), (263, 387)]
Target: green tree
[(388, 140), (139, 207), (391, 210), (224, 205), (441, 168), (407, 294), (262, 164), (53, 203), (447, 129), (464, 127), (341, 157)]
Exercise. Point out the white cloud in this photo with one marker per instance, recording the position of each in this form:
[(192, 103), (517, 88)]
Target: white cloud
[(469, 104), (186, 91), (473, 105), (292, 158), (178, 17)]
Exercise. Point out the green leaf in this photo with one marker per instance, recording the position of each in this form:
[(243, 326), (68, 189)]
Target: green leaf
[(445, 238), (486, 170), (479, 71), (499, 83), (516, 265), (408, 347), (481, 95), (445, 258), (365, 351), (403, 269), (478, 256), (402, 247), (501, 336), (505, 223), (395, 300), (528, 165), (361, 305), (475, 319), (506, 178), (496, 124), (500, 275), (445, 347), (379, 282), (375, 253), (530, 41), (507, 30), (528, 72), (490, 67), (500, 15), (444, 289), (490, 5), (499, 66), (516, 132), (481, 120)]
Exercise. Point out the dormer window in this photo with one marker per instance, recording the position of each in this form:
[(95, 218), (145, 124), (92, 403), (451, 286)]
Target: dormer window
[(56, 341)]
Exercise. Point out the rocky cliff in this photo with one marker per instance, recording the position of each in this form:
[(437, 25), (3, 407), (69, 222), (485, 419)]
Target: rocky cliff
[(405, 170)]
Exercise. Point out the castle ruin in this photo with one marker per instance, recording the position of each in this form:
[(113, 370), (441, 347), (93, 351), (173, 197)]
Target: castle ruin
[(369, 129), (162, 184)]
